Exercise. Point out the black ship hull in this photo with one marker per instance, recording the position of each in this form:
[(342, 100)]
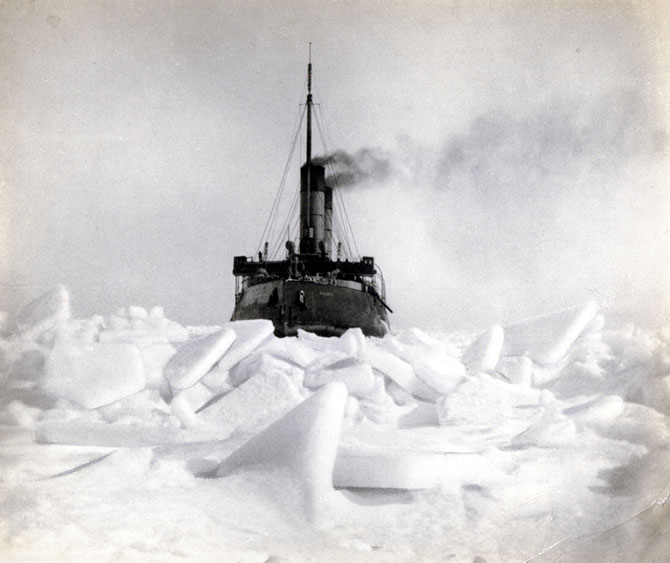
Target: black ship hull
[(327, 308)]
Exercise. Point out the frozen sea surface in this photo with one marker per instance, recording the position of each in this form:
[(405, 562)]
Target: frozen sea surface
[(131, 438)]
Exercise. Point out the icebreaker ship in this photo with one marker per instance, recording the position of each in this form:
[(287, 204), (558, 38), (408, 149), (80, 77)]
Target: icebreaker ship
[(310, 287)]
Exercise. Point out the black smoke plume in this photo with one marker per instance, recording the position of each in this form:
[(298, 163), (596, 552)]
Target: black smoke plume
[(347, 170)]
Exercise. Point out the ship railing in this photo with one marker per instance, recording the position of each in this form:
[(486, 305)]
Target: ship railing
[(378, 282), (375, 285)]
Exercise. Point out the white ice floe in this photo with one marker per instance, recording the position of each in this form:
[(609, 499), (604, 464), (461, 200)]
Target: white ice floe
[(185, 403), (353, 342), (517, 369), (181, 408), (554, 429), (249, 335), (132, 325), (195, 358), (599, 413), (291, 350), (398, 371), (85, 433), (475, 402), (431, 361), (262, 362), (402, 447), (304, 443), (483, 354), (155, 357), (375, 470), (407, 470), (144, 407), (198, 395), (46, 312), (260, 400), (354, 373), (218, 379), (437, 369), (320, 343), (137, 312), (546, 339), (95, 374)]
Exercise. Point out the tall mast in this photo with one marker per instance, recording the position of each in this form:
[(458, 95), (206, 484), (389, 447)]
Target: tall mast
[(315, 229), (309, 138)]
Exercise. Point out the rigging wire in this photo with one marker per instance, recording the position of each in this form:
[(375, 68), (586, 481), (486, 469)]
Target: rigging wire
[(347, 234), (344, 235), (286, 223), (296, 226), (348, 231), (277, 236), (346, 227), (341, 224), (269, 225), (340, 227)]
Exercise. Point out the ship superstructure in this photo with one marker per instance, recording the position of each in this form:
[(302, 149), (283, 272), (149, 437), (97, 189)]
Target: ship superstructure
[(311, 289)]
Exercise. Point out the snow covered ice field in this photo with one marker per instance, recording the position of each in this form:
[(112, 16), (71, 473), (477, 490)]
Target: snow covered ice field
[(132, 438)]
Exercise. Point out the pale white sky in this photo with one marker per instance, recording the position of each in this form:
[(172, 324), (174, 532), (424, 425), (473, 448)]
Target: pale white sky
[(141, 144)]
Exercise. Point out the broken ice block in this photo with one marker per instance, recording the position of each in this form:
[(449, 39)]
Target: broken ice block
[(218, 380), (368, 467), (157, 312), (47, 311), (137, 312), (392, 345), (421, 414), (399, 371), (260, 400), (83, 433), (320, 343), (599, 413), (249, 335), (303, 444), (155, 358), (22, 360), (354, 373), (429, 359), (291, 350), (475, 402), (547, 339), (145, 407), (388, 471), (415, 336), (197, 396), (137, 326), (261, 362), (353, 342), (552, 430), (399, 395), (94, 375), (195, 358), (518, 369), (484, 352), (182, 409), (436, 369)]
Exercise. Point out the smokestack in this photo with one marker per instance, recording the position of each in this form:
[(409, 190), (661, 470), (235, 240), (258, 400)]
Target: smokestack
[(313, 209)]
